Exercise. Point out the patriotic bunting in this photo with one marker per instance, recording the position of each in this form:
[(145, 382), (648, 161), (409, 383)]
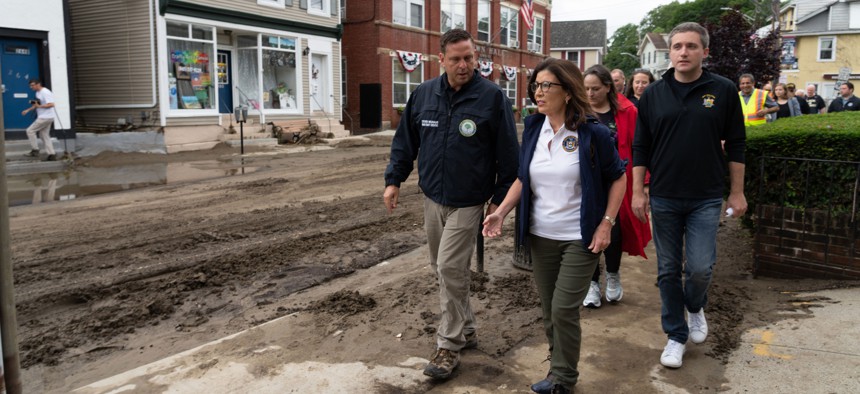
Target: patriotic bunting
[(510, 73), (409, 60), (486, 68)]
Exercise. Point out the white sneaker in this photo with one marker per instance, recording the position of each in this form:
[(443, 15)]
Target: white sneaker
[(673, 354), (698, 326), (592, 300), (614, 291)]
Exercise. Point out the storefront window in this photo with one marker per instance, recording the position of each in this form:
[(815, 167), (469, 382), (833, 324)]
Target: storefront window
[(247, 83), (279, 73), (190, 68)]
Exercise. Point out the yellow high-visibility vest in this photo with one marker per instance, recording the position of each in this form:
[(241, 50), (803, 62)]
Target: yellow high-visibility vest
[(756, 103)]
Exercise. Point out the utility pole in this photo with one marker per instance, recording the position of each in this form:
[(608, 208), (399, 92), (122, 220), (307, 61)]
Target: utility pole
[(8, 321)]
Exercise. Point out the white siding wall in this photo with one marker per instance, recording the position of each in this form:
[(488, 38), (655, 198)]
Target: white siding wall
[(839, 16), (293, 13), (48, 16)]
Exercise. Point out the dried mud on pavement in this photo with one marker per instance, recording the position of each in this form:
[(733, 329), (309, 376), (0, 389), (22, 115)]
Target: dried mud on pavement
[(107, 283)]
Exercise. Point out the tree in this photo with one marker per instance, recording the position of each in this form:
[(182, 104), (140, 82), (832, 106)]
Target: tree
[(624, 40), (665, 17), (735, 49)]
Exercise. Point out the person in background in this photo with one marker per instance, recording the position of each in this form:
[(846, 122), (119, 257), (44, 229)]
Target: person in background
[(756, 103), (628, 234), (800, 95), (768, 87), (569, 188), (788, 105), (640, 80), (619, 80), (682, 150), (464, 128), (846, 101), (45, 114), (815, 102)]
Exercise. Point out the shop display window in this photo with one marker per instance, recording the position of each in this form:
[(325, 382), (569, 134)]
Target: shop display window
[(279, 73), (190, 65)]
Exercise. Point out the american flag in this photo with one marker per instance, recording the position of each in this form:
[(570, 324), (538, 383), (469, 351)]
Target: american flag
[(528, 14)]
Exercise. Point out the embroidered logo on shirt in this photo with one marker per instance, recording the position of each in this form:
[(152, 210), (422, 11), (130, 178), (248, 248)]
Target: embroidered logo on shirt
[(708, 100), (468, 128), (429, 123), (570, 144)]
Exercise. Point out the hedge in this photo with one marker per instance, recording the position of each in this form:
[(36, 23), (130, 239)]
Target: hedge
[(805, 184)]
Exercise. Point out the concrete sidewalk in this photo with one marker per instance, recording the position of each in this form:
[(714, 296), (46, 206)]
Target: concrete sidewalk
[(802, 354)]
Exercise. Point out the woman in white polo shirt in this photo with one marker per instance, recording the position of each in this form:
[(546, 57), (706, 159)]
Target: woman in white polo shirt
[(569, 189)]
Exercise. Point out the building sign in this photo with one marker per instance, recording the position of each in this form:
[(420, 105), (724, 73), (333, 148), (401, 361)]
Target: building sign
[(16, 50), (788, 58)]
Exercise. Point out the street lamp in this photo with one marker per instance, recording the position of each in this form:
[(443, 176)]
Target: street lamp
[(749, 19), (631, 55)]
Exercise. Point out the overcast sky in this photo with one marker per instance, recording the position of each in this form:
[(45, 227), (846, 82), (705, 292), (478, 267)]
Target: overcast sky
[(616, 12)]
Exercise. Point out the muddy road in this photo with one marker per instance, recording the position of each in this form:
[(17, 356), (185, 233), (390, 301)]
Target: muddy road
[(107, 283)]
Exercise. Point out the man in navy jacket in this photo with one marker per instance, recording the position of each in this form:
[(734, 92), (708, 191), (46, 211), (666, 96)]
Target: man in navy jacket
[(464, 128), (846, 101)]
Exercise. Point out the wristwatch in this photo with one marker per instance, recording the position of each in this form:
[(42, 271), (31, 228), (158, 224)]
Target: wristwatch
[(610, 220)]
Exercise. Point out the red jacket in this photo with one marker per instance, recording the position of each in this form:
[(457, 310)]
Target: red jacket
[(635, 235)]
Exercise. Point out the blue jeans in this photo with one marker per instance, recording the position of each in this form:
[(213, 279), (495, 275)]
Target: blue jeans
[(680, 222)]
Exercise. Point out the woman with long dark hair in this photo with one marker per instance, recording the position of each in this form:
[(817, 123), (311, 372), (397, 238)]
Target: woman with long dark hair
[(569, 189), (639, 80), (628, 234)]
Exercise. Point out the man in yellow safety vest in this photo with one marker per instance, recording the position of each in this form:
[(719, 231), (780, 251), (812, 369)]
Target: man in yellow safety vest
[(755, 102)]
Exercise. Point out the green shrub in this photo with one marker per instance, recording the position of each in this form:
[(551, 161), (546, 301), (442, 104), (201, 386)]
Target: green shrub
[(804, 184)]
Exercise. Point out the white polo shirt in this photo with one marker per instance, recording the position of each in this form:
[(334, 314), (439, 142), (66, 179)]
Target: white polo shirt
[(556, 186), (45, 96)]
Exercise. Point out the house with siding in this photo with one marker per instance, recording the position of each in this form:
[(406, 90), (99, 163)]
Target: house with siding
[(582, 42), (820, 39), (654, 53), (392, 46), (183, 67), (34, 45)]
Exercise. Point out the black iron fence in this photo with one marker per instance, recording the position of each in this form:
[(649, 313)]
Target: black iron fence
[(806, 222)]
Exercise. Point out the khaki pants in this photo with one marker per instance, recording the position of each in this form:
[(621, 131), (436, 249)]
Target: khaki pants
[(562, 271), (451, 234), (42, 127)]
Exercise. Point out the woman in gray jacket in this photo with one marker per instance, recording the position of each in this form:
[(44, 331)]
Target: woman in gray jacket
[(788, 106)]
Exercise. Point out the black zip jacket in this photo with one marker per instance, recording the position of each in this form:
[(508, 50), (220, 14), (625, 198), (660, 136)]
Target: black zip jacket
[(678, 138), (467, 142)]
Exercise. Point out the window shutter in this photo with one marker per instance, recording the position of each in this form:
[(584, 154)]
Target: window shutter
[(288, 3), (334, 6), (303, 4)]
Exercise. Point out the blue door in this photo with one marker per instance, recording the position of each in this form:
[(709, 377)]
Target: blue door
[(19, 62), (225, 83)]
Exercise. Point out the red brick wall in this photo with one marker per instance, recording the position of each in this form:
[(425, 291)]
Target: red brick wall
[(369, 33), (809, 243)]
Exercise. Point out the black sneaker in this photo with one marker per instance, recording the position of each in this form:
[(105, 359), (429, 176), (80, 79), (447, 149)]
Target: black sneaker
[(51, 158), (443, 364), (544, 386), (32, 153)]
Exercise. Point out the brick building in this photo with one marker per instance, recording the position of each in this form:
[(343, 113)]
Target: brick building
[(384, 38)]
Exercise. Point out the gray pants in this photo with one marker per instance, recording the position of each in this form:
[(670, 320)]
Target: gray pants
[(451, 234), (562, 271), (42, 127)]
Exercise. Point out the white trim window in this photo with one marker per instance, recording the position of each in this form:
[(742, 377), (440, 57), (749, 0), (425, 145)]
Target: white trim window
[(452, 14), (280, 72), (826, 49), (319, 7), (510, 25), (191, 67), (272, 3), (510, 89), (409, 13), (403, 83), (534, 37), (484, 21)]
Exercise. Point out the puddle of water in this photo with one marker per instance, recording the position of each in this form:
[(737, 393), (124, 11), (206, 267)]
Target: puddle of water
[(88, 181)]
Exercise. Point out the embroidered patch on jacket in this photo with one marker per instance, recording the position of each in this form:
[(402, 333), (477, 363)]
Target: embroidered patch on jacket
[(570, 143), (708, 100), (468, 128)]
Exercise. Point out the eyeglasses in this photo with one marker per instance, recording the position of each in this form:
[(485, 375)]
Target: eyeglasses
[(544, 86)]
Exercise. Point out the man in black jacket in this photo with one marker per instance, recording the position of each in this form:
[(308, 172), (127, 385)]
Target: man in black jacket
[(682, 120), (465, 130), (846, 101)]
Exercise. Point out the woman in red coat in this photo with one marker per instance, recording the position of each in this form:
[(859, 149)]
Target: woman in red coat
[(629, 234)]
